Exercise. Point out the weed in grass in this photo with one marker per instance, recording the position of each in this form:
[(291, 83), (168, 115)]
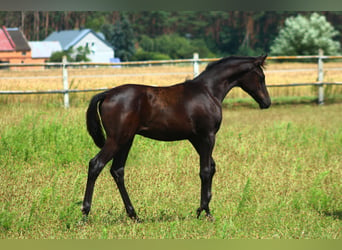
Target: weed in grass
[(26, 222), (104, 234), (318, 199), (70, 215), (297, 201), (6, 219), (245, 197)]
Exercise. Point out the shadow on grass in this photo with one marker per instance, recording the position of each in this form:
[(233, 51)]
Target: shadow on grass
[(334, 214), (161, 217)]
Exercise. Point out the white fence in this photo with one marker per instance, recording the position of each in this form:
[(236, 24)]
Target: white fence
[(195, 61)]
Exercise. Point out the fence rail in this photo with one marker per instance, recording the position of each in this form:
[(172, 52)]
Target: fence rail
[(195, 61)]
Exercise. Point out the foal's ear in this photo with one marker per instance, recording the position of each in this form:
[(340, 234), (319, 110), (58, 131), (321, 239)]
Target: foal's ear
[(260, 60)]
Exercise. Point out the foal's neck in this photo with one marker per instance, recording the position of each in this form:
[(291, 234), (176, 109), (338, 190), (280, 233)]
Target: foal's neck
[(221, 79), (217, 85)]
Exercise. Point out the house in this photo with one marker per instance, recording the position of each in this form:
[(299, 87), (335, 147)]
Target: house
[(43, 50), (100, 50), (14, 47)]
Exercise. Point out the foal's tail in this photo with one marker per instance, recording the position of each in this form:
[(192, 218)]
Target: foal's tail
[(93, 120)]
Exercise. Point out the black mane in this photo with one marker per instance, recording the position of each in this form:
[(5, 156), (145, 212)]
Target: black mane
[(230, 59)]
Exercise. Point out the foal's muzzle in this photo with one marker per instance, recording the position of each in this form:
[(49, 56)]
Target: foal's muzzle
[(265, 104)]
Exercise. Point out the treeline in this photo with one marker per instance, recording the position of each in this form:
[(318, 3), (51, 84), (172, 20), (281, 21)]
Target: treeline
[(213, 33)]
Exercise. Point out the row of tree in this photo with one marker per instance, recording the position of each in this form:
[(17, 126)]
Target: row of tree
[(143, 35)]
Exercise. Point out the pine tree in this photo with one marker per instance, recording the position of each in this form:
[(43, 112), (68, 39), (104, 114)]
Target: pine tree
[(121, 37)]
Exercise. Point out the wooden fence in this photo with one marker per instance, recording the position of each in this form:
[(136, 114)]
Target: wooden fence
[(195, 61)]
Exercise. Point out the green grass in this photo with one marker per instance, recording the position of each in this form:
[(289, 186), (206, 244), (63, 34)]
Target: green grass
[(278, 176)]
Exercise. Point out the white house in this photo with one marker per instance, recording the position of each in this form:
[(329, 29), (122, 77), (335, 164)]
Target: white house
[(100, 49), (44, 50)]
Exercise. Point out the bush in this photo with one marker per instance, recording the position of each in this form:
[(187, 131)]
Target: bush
[(173, 46), (305, 36), (79, 56), (58, 56), (142, 55)]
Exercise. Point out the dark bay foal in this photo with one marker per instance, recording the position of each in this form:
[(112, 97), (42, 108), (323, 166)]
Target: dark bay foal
[(186, 111)]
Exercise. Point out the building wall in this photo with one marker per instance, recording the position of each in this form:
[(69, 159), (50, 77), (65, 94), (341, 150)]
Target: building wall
[(19, 57), (15, 56), (99, 51)]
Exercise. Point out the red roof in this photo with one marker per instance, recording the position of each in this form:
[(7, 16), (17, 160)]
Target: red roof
[(12, 39), (6, 43)]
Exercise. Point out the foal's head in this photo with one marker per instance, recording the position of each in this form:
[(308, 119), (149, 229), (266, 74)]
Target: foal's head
[(253, 82)]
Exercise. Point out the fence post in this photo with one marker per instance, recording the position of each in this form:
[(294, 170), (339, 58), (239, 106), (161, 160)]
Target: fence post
[(196, 67), (320, 78), (65, 83)]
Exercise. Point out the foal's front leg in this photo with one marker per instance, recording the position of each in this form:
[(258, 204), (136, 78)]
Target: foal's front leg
[(204, 147), (207, 172), (206, 176)]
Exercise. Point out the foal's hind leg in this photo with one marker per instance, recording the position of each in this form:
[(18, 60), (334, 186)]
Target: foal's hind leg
[(95, 167), (117, 171)]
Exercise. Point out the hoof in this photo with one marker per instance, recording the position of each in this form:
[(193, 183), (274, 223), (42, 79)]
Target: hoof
[(135, 219), (210, 218), (134, 216), (85, 210), (198, 212), (208, 215), (84, 220)]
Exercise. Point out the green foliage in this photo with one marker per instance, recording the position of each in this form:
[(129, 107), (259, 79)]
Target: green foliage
[(96, 22), (174, 46), (305, 36), (248, 51), (229, 40), (142, 55), (147, 43), (58, 56), (80, 55), (200, 47)]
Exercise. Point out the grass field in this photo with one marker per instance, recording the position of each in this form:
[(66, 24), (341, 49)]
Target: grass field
[(278, 175)]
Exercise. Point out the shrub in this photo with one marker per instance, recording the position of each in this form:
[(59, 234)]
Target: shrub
[(305, 36), (142, 55), (174, 46)]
